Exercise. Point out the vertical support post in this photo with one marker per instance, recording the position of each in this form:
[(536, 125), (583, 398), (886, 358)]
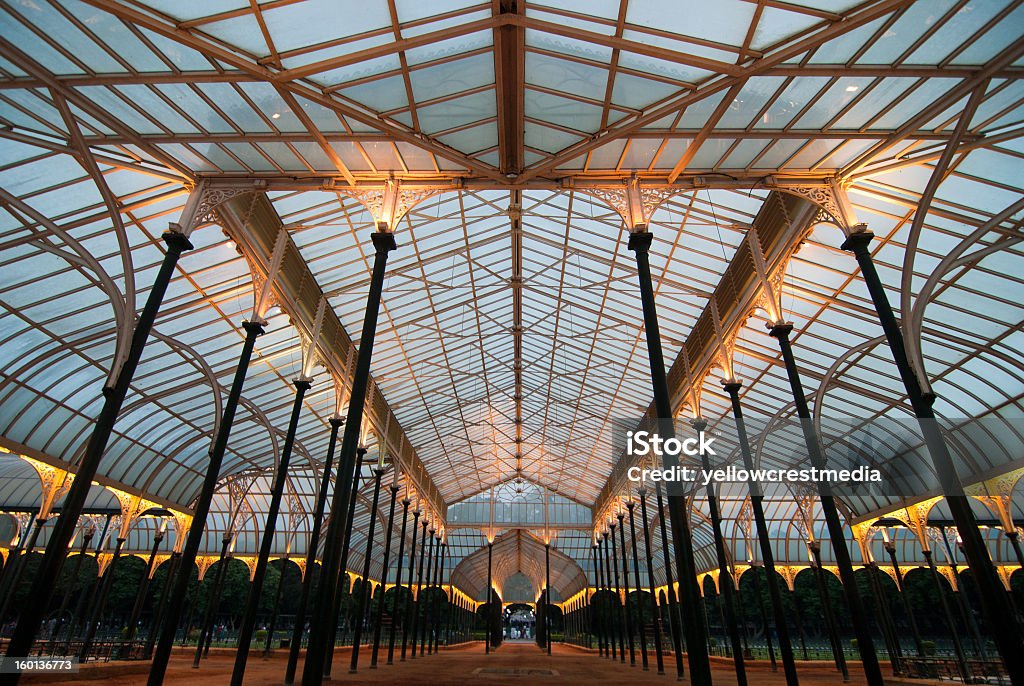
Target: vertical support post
[(277, 493), (826, 604), (73, 581), (630, 506), (101, 603), (384, 576), (650, 582), (322, 627), (161, 608), (212, 600), (724, 573), (140, 595), (407, 615), (958, 646), (362, 607), (343, 564), (547, 595), (997, 612), (113, 398), (618, 594), (196, 532), (398, 583), (594, 620), (14, 578), (674, 618), (314, 542), (440, 590), (837, 535), (424, 604), (700, 665), (419, 588), (890, 548), (763, 537), (487, 634), (277, 608), (616, 628)]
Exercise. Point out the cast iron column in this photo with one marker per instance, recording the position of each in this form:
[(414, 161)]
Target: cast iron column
[(398, 583), (836, 533), (700, 666), (314, 542), (958, 647), (617, 629), (321, 633), (487, 632), (19, 565), (763, 538), (826, 604), (59, 624), (343, 564), (140, 595), (277, 606), (440, 587), (384, 577), (161, 607), (407, 615), (277, 492), (362, 608), (419, 589), (594, 621), (636, 575), (625, 612), (113, 397), (674, 619), (998, 613), (724, 573), (430, 629), (890, 548), (425, 607), (547, 596), (650, 582), (212, 600), (196, 532), (101, 603)]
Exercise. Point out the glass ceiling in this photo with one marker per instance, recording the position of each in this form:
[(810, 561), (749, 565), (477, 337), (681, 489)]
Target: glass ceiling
[(513, 112)]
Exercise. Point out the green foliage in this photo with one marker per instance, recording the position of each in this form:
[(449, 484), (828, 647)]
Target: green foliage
[(928, 647), (261, 636)]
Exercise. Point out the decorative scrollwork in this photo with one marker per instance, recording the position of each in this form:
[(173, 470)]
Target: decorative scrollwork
[(821, 195), (615, 198), (206, 211)]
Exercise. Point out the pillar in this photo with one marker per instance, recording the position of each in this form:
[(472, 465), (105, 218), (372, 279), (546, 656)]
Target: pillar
[(763, 538), (252, 604), (837, 535), (407, 615), (180, 581), (487, 633), (724, 573), (650, 582), (113, 398), (314, 542), (321, 631), (384, 575), (363, 606), (140, 596), (213, 600), (700, 666), (631, 506), (997, 612), (398, 582)]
